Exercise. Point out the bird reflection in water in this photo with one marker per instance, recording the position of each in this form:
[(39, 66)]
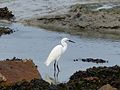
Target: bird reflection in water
[(52, 80)]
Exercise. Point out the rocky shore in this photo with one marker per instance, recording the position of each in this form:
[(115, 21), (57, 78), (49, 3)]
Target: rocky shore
[(83, 20), (5, 16), (95, 78)]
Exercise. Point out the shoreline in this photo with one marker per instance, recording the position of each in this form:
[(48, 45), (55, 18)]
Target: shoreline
[(95, 78), (82, 20)]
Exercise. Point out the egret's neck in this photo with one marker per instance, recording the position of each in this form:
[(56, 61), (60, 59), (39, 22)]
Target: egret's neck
[(64, 45)]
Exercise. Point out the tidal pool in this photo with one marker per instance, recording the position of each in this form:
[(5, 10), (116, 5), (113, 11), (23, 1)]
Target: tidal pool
[(36, 43)]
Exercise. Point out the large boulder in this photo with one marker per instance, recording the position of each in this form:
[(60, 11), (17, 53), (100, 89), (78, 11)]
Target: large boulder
[(16, 70)]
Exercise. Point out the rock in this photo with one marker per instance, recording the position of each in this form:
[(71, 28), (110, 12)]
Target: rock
[(83, 20), (107, 87), (5, 30), (6, 14), (91, 79), (94, 78), (2, 78), (93, 60), (18, 70)]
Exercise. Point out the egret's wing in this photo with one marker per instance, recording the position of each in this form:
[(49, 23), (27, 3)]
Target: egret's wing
[(54, 54)]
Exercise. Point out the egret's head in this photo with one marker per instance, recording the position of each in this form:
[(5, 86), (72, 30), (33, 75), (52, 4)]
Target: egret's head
[(67, 40)]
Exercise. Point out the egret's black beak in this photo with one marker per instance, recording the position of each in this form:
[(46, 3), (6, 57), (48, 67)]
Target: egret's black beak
[(71, 41)]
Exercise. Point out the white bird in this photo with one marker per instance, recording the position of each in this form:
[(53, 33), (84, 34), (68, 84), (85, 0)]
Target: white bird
[(56, 53)]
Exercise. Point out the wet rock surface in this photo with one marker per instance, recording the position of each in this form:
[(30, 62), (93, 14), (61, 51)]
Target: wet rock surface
[(6, 14), (15, 70), (5, 30), (84, 20), (91, 60)]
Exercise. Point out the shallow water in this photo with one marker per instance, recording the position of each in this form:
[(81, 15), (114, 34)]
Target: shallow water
[(35, 43), (30, 8)]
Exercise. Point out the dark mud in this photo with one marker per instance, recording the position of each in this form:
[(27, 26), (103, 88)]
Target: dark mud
[(91, 79), (83, 20), (5, 13), (5, 30), (91, 60)]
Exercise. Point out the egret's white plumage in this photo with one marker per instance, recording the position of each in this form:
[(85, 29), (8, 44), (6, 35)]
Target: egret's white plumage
[(57, 51), (54, 55)]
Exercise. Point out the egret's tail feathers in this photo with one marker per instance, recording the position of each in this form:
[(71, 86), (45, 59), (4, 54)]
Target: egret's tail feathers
[(47, 63)]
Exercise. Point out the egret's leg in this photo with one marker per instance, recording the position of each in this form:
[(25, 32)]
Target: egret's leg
[(55, 66), (55, 71), (58, 67), (57, 76)]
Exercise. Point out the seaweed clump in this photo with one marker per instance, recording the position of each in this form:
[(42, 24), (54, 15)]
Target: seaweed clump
[(6, 14), (5, 30), (94, 78), (97, 60), (35, 84)]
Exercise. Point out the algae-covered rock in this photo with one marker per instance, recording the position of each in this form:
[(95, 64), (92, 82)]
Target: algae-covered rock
[(96, 77), (5, 30), (83, 20), (6, 14)]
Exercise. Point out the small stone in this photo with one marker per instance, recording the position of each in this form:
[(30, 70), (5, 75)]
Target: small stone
[(107, 87), (2, 78)]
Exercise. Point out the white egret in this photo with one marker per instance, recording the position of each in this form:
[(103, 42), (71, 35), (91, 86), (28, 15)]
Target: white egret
[(56, 53)]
